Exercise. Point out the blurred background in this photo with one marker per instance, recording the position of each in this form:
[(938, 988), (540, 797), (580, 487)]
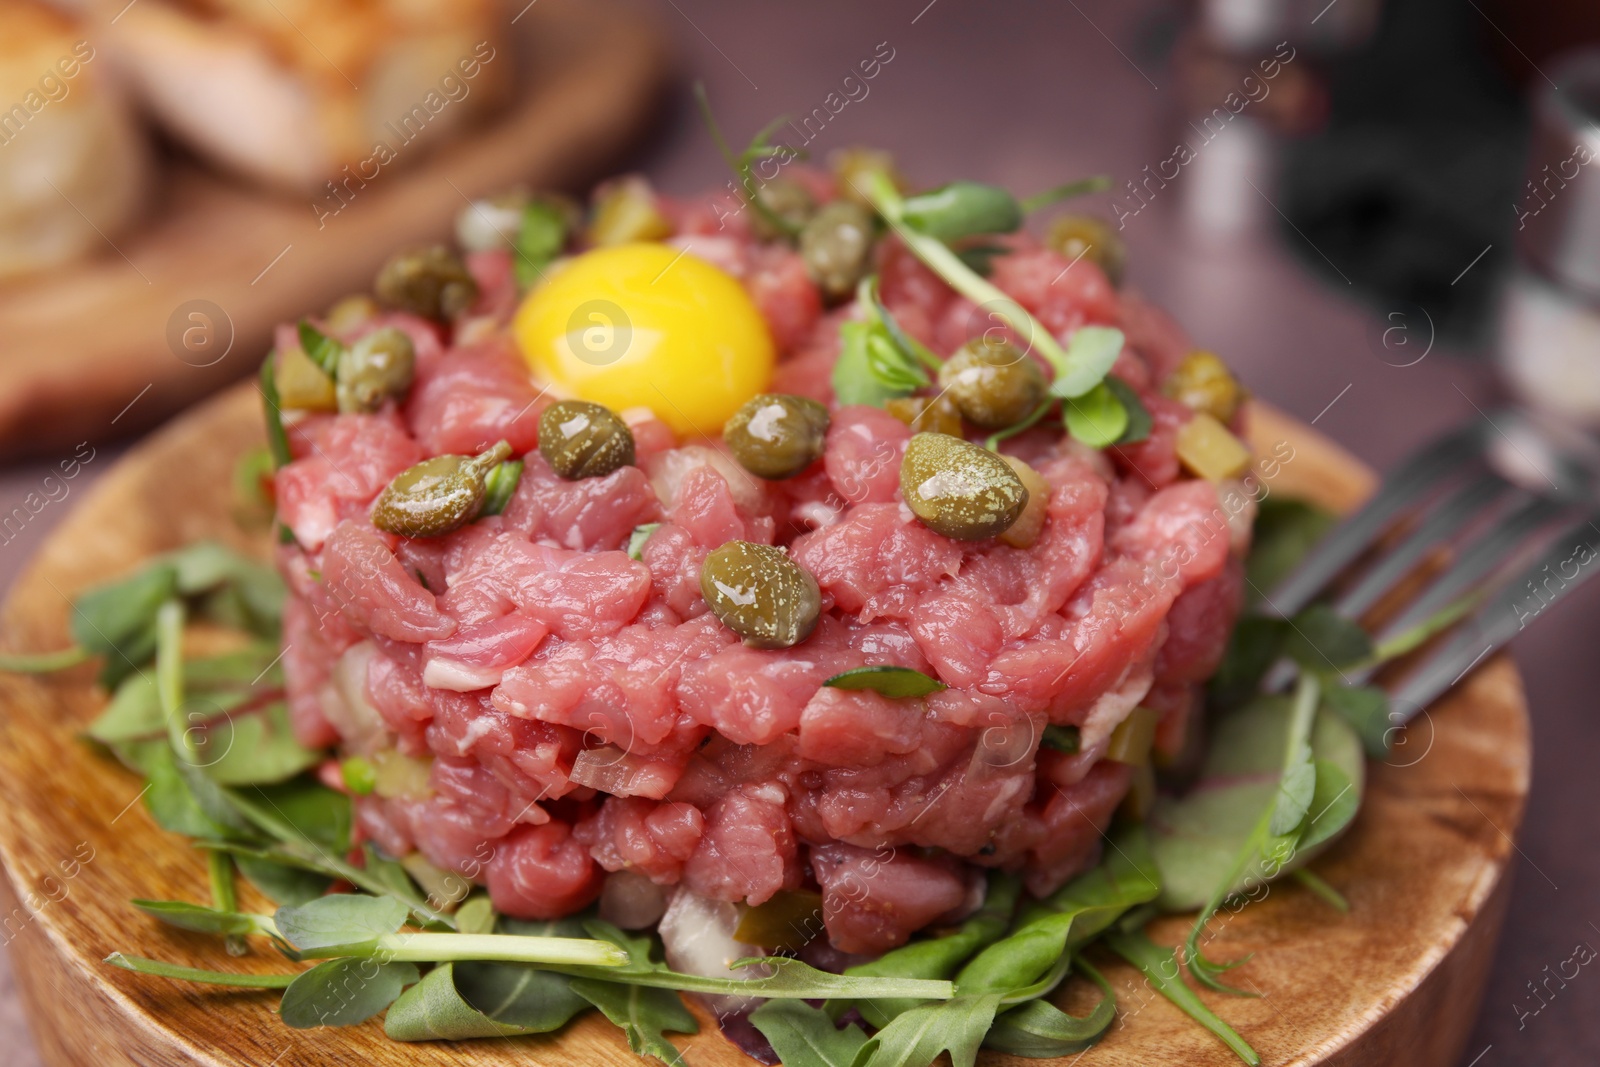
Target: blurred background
[(1384, 214)]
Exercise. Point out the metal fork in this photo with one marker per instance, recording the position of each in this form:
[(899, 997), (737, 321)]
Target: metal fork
[(1514, 498)]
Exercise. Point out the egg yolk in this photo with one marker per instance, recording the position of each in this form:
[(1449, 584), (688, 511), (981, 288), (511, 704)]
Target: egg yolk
[(648, 325)]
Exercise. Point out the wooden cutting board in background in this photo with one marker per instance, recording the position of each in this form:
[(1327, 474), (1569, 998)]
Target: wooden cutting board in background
[(97, 349)]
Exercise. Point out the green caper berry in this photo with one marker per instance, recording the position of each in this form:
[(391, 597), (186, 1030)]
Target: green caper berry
[(431, 282), (761, 594), (837, 247), (787, 199), (775, 435), (959, 489), (583, 440), (375, 368), (437, 495), (994, 384)]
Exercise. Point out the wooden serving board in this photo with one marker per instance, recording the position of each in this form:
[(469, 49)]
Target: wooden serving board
[(81, 344), (1396, 982)]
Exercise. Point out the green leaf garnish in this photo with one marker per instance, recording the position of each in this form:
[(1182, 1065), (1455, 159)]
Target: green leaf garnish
[(322, 349), (1139, 421), (758, 148), (644, 1015), (277, 436), (499, 485), (44, 662), (1081, 187), (540, 239), (1090, 354), (1040, 1030), (1285, 532), (1065, 739), (640, 535), (205, 920), (1320, 640), (1329, 895), (855, 376), (1097, 418), (801, 1034), (194, 974), (889, 681), (1161, 969), (962, 209), (340, 920), (343, 992), (459, 1001), (1367, 709)]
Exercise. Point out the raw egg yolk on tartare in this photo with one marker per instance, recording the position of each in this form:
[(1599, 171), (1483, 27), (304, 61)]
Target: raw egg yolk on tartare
[(648, 325)]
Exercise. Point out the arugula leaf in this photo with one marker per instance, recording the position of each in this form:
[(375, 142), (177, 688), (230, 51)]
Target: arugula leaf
[(476, 915), (938, 957), (1320, 639), (322, 349), (1097, 418), (917, 1037), (801, 1034), (644, 1015), (1160, 966), (1196, 838), (889, 681), (118, 620), (343, 992), (1139, 422), (1038, 1029), (1285, 532), (343, 920), (1089, 356)]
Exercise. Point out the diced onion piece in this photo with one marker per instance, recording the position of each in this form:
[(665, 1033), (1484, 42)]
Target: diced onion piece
[(697, 934), (443, 673), (1025, 531), (631, 901), (1131, 740), (1206, 448), (346, 705)]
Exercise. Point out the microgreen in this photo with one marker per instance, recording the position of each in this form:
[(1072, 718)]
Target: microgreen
[(1139, 422), (277, 436), (1081, 187), (322, 349), (1097, 418), (541, 235), (640, 535), (962, 209), (499, 485), (888, 681), (1063, 739), (741, 165)]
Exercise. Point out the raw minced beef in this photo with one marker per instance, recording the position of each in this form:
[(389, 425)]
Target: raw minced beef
[(580, 712)]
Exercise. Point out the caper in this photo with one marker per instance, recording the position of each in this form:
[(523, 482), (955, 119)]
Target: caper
[(375, 368), (1091, 238), (761, 594), (837, 247), (787, 199), (926, 414), (349, 312), (437, 495), (583, 440), (1203, 382), (775, 435), (994, 384), (431, 282), (959, 489), (302, 385)]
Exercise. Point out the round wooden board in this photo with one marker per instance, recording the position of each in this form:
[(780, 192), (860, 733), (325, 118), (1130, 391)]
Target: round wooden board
[(1397, 981)]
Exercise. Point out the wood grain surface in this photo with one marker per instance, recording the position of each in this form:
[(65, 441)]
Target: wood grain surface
[(1396, 982), (99, 347)]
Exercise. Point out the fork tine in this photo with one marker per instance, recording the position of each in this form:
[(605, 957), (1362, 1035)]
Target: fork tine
[(1441, 524), (1421, 472), (1499, 619)]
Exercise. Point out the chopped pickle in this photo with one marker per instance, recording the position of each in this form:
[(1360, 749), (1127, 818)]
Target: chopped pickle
[(1203, 382), (445, 889), (1206, 448), (626, 211), (1131, 740), (397, 775), (302, 385), (1141, 795), (926, 414), (1025, 531), (787, 921)]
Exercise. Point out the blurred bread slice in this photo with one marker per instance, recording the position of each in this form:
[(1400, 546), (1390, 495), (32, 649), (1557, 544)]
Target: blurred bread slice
[(290, 92), (73, 162)]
